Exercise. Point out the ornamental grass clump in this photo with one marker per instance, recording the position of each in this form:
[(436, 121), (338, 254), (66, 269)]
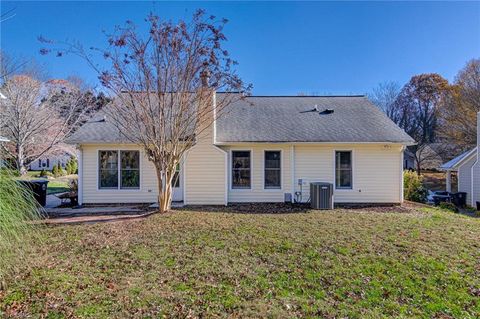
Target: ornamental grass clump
[(18, 210)]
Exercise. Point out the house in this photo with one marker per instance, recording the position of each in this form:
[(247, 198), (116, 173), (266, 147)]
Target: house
[(263, 149), (47, 162), (433, 155), (409, 160), (467, 167)]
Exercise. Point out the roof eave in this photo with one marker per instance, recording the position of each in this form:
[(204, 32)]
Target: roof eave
[(457, 165)]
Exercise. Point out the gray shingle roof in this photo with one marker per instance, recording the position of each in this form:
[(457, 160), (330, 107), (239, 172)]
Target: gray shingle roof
[(453, 164), (282, 119), (290, 119)]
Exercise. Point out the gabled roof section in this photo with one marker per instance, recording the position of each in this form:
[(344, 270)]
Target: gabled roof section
[(99, 129), (337, 119), (457, 161)]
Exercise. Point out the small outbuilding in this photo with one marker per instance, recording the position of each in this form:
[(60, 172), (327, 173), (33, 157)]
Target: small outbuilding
[(467, 168)]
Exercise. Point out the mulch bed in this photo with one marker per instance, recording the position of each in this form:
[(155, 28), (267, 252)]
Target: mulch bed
[(287, 208)]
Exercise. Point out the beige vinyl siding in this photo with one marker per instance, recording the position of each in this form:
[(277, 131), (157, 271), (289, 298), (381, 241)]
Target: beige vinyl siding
[(92, 195), (207, 170), (377, 173), (205, 180), (465, 178), (257, 192)]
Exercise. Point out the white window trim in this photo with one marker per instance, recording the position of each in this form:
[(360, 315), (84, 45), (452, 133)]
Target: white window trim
[(119, 189), (230, 178), (273, 189), (335, 171)]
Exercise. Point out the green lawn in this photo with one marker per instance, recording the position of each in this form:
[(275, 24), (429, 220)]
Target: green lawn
[(366, 263), (55, 185)]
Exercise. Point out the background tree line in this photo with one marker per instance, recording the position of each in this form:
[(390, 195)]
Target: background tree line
[(37, 113), (433, 111)]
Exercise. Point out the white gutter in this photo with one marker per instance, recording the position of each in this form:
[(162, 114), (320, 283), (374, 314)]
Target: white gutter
[(314, 143)]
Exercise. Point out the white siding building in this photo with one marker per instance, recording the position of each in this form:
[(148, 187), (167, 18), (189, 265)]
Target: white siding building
[(467, 167), (265, 149)]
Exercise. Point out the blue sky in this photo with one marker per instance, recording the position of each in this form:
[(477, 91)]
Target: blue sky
[(283, 47)]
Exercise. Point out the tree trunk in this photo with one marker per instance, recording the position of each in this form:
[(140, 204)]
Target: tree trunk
[(164, 192), (21, 161), (419, 167)]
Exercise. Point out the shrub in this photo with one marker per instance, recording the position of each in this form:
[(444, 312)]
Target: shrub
[(17, 208), (55, 171), (470, 209), (71, 166), (448, 206), (413, 187), (43, 173), (58, 171)]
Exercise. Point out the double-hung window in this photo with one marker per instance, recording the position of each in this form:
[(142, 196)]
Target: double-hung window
[(241, 174), (343, 170), (273, 171), (119, 169)]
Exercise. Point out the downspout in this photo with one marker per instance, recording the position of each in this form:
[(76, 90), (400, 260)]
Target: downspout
[(402, 154), (292, 172), (80, 176)]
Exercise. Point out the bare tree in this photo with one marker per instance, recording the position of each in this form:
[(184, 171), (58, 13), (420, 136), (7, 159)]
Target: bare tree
[(34, 122), (384, 97), (418, 104), (10, 66), (164, 83), (458, 114)]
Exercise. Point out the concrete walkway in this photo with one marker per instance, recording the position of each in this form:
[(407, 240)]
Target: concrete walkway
[(90, 219), (53, 201)]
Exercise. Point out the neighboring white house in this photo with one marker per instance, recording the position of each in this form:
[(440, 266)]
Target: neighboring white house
[(49, 161), (263, 149), (467, 167)]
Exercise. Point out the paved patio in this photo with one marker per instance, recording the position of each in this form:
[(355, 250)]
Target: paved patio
[(68, 215)]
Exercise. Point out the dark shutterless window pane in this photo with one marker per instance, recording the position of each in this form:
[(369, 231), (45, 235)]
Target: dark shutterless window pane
[(130, 179), (108, 160), (130, 159), (345, 160), (241, 179), (130, 169), (345, 178), (241, 169), (108, 169), (272, 178), (272, 159), (108, 178)]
